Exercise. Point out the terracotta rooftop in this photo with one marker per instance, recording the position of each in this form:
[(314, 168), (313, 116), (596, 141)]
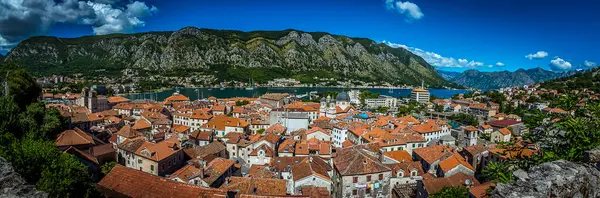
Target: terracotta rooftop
[(127, 132), (433, 185), (216, 169), (268, 151), (141, 125), (180, 128), (221, 121), (159, 151), (261, 171), (311, 166), (287, 146), (470, 128), (117, 99), (127, 182), (406, 168), (399, 156), (276, 128), (480, 191), (359, 160), (187, 172), (316, 192), (203, 151), (433, 153), (504, 131), (74, 137), (201, 135), (454, 161), (255, 186), (427, 127), (177, 97)]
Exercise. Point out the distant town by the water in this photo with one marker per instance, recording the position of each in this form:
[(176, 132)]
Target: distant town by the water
[(196, 93)]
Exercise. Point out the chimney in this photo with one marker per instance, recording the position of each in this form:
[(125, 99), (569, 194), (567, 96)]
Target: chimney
[(310, 159)]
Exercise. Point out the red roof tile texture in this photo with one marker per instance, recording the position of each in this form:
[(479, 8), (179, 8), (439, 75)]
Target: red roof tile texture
[(127, 182)]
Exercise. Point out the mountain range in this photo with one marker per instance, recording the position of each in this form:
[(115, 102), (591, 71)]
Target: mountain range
[(494, 80), (227, 54), (588, 79)]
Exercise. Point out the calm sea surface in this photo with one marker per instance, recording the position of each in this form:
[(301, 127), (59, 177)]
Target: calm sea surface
[(258, 91)]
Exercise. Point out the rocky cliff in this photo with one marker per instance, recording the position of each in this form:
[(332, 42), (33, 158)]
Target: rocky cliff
[(291, 53), (556, 179), (12, 185)]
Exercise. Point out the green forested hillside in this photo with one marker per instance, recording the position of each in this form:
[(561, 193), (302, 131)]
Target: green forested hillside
[(227, 54)]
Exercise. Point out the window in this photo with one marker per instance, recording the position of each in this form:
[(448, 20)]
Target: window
[(380, 176), (368, 190), (354, 192), (355, 180), (151, 167), (369, 178)]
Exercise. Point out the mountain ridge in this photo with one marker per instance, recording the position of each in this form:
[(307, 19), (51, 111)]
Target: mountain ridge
[(235, 54), (493, 80)]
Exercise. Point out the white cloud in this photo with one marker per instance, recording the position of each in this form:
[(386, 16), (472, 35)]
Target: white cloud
[(407, 8), (500, 64), (389, 4), (490, 66), (436, 59), (537, 55), (36, 17), (589, 64), (559, 64)]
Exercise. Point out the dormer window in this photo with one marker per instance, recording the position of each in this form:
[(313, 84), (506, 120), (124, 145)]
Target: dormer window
[(413, 173), (400, 173)]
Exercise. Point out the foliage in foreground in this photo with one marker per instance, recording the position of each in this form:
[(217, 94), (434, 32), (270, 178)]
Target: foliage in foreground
[(455, 192), (27, 134)]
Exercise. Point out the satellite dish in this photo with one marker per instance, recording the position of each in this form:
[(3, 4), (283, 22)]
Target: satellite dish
[(468, 182)]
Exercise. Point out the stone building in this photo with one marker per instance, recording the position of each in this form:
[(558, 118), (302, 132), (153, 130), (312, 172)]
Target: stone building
[(358, 172)]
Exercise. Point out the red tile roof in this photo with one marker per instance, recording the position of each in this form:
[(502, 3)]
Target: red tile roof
[(255, 186), (359, 160), (176, 98), (309, 166), (74, 137), (399, 155), (433, 153), (433, 185), (127, 182)]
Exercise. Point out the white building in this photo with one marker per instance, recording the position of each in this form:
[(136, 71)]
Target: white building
[(331, 108), (420, 95), (339, 134), (382, 101), (354, 96)]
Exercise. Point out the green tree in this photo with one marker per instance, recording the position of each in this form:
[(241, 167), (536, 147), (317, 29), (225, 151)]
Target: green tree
[(241, 102), (498, 172), (260, 131), (66, 177), (106, 168), (454, 192), (23, 87), (31, 156)]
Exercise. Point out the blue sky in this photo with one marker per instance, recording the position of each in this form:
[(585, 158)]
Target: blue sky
[(453, 35)]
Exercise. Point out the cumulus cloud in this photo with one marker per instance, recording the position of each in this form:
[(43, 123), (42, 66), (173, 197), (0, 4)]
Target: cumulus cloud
[(537, 55), (20, 19), (500, 64), (407, 8), (435, 59), (559, 64), (589, 64)]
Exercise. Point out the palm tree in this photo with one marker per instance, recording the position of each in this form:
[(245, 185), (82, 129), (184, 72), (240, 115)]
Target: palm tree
[(498, 172)]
